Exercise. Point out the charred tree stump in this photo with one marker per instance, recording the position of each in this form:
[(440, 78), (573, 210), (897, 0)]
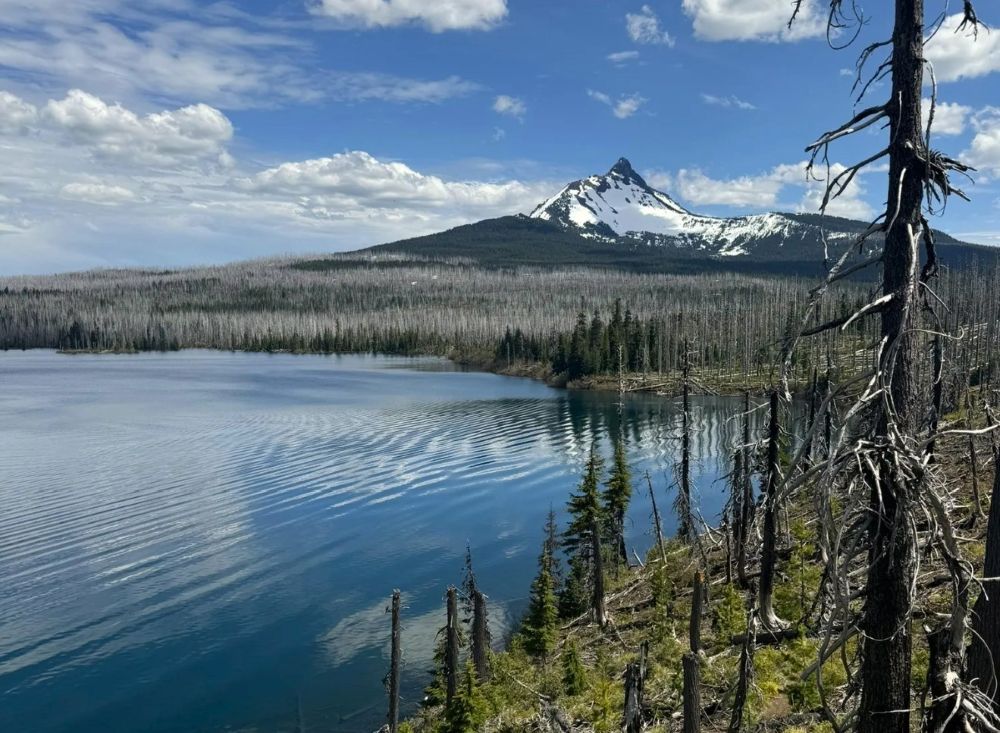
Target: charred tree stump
[(395, 660), (480, 637), (635, 679)]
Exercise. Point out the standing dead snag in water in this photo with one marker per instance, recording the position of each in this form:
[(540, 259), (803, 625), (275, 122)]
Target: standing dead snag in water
[(888, 458)]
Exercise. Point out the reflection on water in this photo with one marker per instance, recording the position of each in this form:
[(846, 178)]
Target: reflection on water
[(207, 542)]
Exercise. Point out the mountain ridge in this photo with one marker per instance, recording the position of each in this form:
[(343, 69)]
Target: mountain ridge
[(619, 220)]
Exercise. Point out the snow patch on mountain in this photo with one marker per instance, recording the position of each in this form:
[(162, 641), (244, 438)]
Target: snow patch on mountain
[(620, 205)]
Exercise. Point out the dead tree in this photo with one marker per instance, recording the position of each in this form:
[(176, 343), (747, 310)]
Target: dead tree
[(685, 528), (769, 550), (394, 663), (451, 648), (657, 526), (888, 458), (635, 680), (745, 492), (745, 680), (691, 660), (984, 651), (480, 637)]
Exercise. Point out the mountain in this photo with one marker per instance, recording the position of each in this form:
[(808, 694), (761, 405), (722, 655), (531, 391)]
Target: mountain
[(619, 220)]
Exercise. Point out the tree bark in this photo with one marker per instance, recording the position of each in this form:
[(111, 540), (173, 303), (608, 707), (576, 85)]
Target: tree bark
[(746, 500), (657, 526), (887, 651), (635, 680), (984, 651), (451, 648), (769, 551), (480, 637), (396, 655)]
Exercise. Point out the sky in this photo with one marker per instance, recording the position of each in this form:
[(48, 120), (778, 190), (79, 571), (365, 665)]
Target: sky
[(178, 132)]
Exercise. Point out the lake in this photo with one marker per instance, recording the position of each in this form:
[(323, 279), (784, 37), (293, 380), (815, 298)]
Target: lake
[(203, 541)]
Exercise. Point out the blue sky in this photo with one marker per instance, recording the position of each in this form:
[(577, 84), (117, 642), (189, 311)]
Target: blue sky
[(184, 132)]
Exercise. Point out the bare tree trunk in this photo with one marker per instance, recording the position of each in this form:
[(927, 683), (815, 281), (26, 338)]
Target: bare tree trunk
[(686, 529), (887, 651), (396, 655), (691, 661), (984, 651), (746, 666), (599, 609), (769, 552), (657, 526), (480, 637), (746, 501), (451, 648)]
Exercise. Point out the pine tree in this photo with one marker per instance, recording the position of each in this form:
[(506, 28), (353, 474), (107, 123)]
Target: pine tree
[(574, 675), (615, 501), (541, 623), (584, 510), (468, 710)]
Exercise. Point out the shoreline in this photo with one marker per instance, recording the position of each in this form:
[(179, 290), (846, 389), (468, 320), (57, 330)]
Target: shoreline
[(665, 384)]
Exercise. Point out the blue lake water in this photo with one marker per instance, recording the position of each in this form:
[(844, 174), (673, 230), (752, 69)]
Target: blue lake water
[(204, 541)]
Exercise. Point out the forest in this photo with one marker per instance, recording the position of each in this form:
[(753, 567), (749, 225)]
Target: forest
[(538, 321)]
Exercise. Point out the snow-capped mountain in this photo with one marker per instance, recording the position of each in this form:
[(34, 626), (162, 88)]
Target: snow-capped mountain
[(621, 206), (618, 220)]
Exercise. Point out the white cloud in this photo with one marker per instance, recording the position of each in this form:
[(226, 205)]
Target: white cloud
[(194, 133), (510, 106), (984, 151), (367, 86), (753, 20), (622, 108), (15, 113), (437, 15), (98, 193), (784, 187), (949, 117), (644, 27), (732, 101), (958, 54), (621, 57), (161, 49)]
